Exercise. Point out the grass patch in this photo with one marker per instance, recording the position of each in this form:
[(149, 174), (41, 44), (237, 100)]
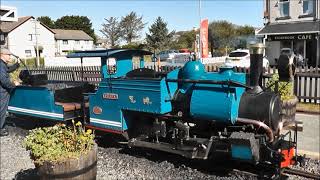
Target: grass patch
[(308, 107)]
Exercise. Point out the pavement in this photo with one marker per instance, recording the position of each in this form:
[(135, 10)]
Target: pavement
[(309, 138)]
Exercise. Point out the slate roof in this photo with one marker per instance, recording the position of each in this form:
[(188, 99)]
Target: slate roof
[(7, 27), (291, 28), (62, 34)]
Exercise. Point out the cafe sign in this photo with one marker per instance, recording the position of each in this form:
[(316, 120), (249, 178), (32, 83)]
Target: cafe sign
[(291, 37)]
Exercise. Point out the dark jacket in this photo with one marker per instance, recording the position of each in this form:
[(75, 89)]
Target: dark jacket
[(5, 84)]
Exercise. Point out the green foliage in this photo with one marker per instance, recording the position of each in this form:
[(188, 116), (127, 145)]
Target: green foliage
[(112, 30), (224, 34), (131, 26), (245, 30), (76, 23), (58, 143), (31, 62), (285, 89), (159, 37), (134, 46), (186, 40), (46, 20)]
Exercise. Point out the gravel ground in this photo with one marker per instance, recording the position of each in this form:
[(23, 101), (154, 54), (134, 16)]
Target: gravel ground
[(117, 162)]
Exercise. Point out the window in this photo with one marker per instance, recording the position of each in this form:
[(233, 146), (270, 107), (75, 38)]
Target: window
[(307, 6), (86, 41), (65, 42), (2, 39), (28, 53), (284, 8), (30, 37), (238, 54), (77, 42)]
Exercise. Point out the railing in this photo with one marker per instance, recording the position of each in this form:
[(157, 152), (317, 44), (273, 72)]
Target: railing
[(306, 82)]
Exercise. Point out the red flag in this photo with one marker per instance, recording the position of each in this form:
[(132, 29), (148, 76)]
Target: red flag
[(204, 38)]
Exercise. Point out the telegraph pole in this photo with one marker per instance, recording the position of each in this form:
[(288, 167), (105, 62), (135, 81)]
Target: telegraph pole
[(37, 44)]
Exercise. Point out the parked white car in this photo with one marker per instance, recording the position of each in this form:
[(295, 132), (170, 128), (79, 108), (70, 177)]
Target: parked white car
[(168, 55), (241, 58)]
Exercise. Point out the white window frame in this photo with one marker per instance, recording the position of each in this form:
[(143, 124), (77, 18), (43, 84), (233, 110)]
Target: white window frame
[(65, 42), (310, 7), (86, 41), (281, 5), (77, 41), (28, 53), (30, 37)]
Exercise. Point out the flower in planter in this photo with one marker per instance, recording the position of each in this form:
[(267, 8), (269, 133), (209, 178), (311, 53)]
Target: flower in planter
[(58, 143), (285, 89)]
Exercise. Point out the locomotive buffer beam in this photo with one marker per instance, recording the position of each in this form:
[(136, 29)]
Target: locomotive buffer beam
[(193, 150)]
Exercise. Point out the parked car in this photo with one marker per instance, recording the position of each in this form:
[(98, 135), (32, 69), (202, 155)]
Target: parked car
[(167, 55), (241, 58)]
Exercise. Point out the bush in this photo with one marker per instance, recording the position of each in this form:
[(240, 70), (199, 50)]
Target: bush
[(58, 143), (31, 62), (285, 89)]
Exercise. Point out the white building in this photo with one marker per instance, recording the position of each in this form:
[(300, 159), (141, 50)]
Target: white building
[(71, 40), (24, 36), (295, 25)]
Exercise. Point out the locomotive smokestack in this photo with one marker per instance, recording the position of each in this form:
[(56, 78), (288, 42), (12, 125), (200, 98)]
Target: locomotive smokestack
[(256, 59)]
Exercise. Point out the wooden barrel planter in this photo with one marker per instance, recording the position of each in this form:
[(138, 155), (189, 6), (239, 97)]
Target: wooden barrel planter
[(83, 168), (289, 110)]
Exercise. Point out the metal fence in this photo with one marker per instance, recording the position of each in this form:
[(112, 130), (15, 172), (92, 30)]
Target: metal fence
[(306, 82)]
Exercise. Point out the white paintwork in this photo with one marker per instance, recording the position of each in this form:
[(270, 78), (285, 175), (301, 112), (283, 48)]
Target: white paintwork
[(18, 40), (295, 10), (73, 45), (64, 61)]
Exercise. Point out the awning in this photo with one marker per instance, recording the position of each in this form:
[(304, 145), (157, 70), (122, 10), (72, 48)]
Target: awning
[(291, 28)]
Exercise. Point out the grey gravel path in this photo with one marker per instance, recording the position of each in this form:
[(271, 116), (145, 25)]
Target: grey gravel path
[(118, 162)]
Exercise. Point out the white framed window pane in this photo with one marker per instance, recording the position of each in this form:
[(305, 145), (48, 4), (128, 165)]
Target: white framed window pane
[(307, 7), (65, 42), (30, 37), (284, 8), (28, 53)]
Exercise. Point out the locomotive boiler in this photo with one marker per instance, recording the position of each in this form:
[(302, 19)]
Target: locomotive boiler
[(187, 111)]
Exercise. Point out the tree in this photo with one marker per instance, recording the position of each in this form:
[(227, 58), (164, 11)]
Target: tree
[(76, 23), (112, 30), (186, 39), (221, 34), (245, 30), (159, 37), (131, 26), (46, 20)]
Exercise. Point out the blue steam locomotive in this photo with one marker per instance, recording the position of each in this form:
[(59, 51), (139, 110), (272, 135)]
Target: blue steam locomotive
[(187, 111)]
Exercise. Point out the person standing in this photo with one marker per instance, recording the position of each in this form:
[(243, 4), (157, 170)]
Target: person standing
[(6, 86)]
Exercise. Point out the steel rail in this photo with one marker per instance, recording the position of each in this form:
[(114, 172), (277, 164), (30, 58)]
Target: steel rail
[(301, 173)]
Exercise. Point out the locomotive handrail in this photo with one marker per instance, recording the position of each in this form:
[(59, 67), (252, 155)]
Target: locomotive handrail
[(228, 82)]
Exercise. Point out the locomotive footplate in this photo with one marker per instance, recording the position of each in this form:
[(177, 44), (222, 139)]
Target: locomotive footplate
[(194, 148)]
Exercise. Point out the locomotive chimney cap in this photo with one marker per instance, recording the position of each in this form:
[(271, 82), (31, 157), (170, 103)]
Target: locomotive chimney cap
[(257, 48)]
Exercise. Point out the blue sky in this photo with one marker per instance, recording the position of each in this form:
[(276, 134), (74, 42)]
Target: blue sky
[(179, 14)]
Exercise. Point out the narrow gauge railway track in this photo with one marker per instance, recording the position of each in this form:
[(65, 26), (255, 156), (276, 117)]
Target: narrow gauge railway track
[(300, 173), (284, 173), (21, 128)]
